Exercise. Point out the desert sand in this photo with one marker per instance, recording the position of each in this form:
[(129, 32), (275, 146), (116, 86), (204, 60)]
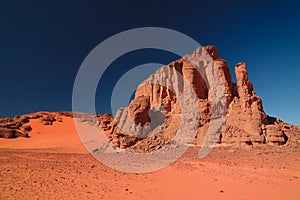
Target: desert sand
[(53, 164), (58, 137)]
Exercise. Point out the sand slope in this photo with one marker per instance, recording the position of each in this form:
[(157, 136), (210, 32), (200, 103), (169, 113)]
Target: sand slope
[(61, 137)]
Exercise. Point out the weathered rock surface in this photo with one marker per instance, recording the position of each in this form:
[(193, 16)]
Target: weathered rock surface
[(139, 110), (245, 112), (245, 122), (14, 127), (10, 133), (212, 51), (48, 119)]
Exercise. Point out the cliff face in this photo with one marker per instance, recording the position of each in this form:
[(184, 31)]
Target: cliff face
[(245, 122)]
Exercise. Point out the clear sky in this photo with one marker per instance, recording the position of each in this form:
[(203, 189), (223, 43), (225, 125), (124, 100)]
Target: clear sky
[(43, 43)]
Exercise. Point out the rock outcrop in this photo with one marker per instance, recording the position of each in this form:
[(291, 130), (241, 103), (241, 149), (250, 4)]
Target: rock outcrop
[(245, 122), (245, 113), (173, 98), (14, 127), (10, 133)]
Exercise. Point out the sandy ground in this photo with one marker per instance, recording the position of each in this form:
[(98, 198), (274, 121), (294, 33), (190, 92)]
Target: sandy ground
[(53, 164), (60, 137)]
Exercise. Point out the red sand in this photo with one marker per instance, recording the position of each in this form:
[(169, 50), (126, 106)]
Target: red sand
[(58, 137), (53, 163)]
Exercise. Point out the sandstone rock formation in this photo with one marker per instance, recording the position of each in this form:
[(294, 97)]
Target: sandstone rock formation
[(139, 110), (14, 127), (245, 123), (48, 119), (10, 133), (245, 112), (173, 98)]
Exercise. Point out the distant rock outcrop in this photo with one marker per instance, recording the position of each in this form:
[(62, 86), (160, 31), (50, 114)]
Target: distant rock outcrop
[(14, 127)]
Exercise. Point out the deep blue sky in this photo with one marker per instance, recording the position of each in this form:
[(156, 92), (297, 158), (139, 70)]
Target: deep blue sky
[(43, 43)]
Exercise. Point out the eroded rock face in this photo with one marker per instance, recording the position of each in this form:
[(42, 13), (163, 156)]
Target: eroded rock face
[(275, 134), (224, 73), (246, 122), (139, 110), (245, 113), (212, 51)]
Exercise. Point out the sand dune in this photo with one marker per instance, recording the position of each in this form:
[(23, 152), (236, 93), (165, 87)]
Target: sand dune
[(60, 137)]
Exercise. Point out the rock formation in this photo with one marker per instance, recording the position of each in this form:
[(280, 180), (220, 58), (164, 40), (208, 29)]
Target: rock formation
[(14, 127), (245, 122), (158, 111)]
